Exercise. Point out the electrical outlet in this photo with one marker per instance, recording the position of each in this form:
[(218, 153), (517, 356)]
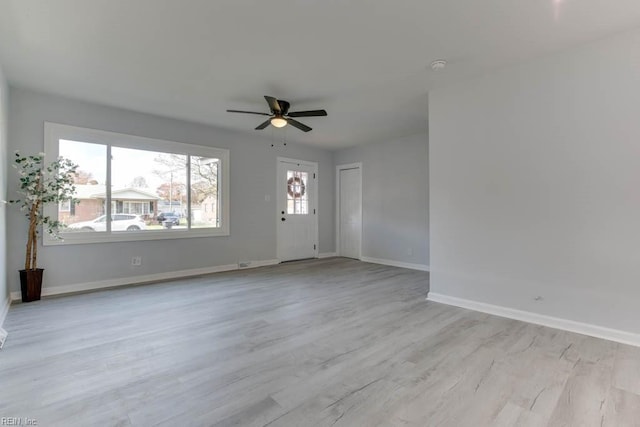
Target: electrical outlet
[(136, 260), (538, 298)]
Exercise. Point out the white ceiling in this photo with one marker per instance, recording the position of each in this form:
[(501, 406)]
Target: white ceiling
[(365, 61)]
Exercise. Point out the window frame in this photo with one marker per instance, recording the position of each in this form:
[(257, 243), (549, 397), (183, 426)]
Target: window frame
[(54, 132)]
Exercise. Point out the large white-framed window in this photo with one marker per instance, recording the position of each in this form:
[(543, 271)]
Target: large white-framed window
[(135, 188)]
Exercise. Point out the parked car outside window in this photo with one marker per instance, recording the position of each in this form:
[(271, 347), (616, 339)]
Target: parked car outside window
[(174, 218), (121, 222)]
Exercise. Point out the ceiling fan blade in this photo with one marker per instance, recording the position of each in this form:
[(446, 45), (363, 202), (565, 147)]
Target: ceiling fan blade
[(264, 125), (273, 104), (310, 113), (247, 112), (299, 125)]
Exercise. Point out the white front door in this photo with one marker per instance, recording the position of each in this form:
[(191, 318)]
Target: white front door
[(297, 219), (349, 211)]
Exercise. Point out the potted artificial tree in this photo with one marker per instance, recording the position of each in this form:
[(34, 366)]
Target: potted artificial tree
[(40, 184)]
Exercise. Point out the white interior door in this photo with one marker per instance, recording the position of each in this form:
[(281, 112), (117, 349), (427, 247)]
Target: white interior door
[(350, 211), (297, 219)]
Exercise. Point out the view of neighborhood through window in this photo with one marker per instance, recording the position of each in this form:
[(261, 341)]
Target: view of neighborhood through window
[(149, 190), (205, 197), (88, 215), (149, 184)]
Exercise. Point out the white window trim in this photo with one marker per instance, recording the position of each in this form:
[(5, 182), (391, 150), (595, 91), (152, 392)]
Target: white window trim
[(54, 132)]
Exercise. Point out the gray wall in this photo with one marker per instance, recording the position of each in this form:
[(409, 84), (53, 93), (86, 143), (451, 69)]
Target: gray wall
[(4, 122), (395, 198), (253, 175), (535, 186)]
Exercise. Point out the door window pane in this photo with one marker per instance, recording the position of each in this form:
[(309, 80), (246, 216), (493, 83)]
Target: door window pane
[(297, 197)]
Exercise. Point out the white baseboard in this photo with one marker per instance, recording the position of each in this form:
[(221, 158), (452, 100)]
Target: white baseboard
[(264, 263), (421, 267), (146, 278), (4, 309), (3, 337), (327, 254), (616, 335)]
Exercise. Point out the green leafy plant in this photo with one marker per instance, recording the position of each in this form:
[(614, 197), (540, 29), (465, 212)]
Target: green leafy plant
[(41, 184)]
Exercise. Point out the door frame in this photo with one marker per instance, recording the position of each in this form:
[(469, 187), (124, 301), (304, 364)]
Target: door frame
[(315, 200), (339, 168)]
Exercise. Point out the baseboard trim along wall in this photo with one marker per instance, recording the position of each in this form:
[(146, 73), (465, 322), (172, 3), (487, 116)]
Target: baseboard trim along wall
[(421, 267), (4, 309), (327, 255), (540, 319), (146, 278)]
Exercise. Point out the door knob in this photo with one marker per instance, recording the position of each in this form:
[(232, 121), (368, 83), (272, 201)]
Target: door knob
[(282, 219), (282, 212)]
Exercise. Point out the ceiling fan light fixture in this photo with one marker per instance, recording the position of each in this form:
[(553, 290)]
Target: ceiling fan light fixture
[(278, 122)]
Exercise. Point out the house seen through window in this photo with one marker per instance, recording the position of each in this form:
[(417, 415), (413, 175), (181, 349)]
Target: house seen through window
[(129, 187)]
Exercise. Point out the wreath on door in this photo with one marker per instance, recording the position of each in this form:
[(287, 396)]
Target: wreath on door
[(295, 182)]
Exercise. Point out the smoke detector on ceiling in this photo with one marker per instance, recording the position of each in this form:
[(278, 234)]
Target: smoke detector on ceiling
[(438, 64)]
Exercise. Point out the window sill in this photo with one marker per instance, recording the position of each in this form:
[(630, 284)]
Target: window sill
[(130, 236)]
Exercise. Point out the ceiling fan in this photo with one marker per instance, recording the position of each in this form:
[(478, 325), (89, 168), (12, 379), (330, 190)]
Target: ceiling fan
[(280, 115)]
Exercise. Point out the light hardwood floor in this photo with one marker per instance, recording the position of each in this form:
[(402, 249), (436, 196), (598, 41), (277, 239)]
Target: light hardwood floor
[(322, 342)]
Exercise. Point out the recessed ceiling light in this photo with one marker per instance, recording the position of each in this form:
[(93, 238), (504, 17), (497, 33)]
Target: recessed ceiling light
[(438, 64)]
